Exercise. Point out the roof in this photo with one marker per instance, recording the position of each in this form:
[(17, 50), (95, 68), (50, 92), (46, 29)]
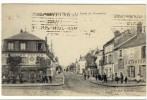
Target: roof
[(24, 36), (109, 42), (140, 39)]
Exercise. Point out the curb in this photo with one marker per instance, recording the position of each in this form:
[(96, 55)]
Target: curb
[(110, 85), (33, 84), (29, 85)]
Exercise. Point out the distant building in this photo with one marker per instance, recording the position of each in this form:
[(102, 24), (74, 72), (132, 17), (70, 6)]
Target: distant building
[(32, 50), (130, 53), (99, 62), (81, 65), (108, 59)]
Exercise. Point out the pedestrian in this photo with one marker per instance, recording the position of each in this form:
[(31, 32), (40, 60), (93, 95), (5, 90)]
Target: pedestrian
[(88, 75), (126, 79), (112, 77), (101, 77), (32, 76), (20, 78), (104, 77), (122, 77), (43, 78), (138, 78), (51, 75), (85, 75), (116, 79), (48, 72), (96, 76)]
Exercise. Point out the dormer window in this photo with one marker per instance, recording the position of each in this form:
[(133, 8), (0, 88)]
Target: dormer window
[(22, 46), (10, 46), (40, 46)]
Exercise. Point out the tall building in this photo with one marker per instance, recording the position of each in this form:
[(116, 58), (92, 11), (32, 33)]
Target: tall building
[(130, 53), (32, 50), (108, 59), (81, 65)]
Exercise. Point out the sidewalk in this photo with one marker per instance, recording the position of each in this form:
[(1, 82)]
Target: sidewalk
[(57, 81), (115, 84)]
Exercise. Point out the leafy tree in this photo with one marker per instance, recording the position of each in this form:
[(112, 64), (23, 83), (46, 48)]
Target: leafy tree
[(90, 59), (14, 65)]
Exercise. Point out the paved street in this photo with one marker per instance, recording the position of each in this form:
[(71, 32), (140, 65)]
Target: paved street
[(75, 85)]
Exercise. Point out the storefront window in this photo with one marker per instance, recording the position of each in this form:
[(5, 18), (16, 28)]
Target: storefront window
[(131, 71)]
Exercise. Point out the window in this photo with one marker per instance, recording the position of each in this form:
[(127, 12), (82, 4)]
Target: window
[(120, 53), (142, 70), (23, 46), (40, 46), (143, 52), (4, 62), (10, 46), (131, 71), (105, 59), (120, 63), (132, 74), (110, 59)]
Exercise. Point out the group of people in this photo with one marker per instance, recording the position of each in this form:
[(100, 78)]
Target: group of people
[(122, 79), (48, 76), (101, 77), (86, 75)]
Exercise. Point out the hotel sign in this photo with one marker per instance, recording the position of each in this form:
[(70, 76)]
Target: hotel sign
[(138, 61)]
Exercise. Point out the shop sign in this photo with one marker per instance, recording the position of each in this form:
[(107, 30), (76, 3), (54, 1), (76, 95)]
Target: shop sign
[(140, 61)]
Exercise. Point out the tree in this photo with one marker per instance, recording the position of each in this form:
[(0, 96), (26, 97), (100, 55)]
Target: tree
[(14, 65), (43, 63), (90, 59)]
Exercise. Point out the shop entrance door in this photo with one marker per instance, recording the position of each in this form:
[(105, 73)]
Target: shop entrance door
[(132, 71)]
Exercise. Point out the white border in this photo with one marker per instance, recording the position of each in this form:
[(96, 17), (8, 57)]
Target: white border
[(69, 2)]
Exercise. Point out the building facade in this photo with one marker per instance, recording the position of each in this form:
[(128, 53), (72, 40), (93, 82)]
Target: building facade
[(130, 54), (32, 50), (99, 62), (81, 65), (108, 67)]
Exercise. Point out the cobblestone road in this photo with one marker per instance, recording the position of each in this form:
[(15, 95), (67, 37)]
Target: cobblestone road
[(75, 85)]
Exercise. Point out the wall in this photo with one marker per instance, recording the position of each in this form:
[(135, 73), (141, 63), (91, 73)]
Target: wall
[(131, 57)]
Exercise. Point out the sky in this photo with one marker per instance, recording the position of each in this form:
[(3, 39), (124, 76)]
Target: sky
[(94, 24)]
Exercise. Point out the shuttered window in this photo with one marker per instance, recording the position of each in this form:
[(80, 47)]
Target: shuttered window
[(10, 46), (143, 51)]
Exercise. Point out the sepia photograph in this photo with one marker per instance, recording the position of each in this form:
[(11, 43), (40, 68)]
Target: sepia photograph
[(73, 49)]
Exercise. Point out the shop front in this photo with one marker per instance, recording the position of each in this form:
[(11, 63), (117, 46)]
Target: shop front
[(136, 67)]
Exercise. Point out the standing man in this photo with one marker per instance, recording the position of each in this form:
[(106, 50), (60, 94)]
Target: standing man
[(47, 74), (85, 75), (122, 77), (51, 74)]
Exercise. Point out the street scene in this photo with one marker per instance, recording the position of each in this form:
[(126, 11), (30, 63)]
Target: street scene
[(87, 51)]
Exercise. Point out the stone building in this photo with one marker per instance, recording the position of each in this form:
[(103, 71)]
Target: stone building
[(99, 62), (32, 50), (108, 67), (130, 53)]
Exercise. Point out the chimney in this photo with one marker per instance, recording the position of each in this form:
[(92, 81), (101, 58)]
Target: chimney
[(46, 39), (21, 31), (116, 33), (139, 27)]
